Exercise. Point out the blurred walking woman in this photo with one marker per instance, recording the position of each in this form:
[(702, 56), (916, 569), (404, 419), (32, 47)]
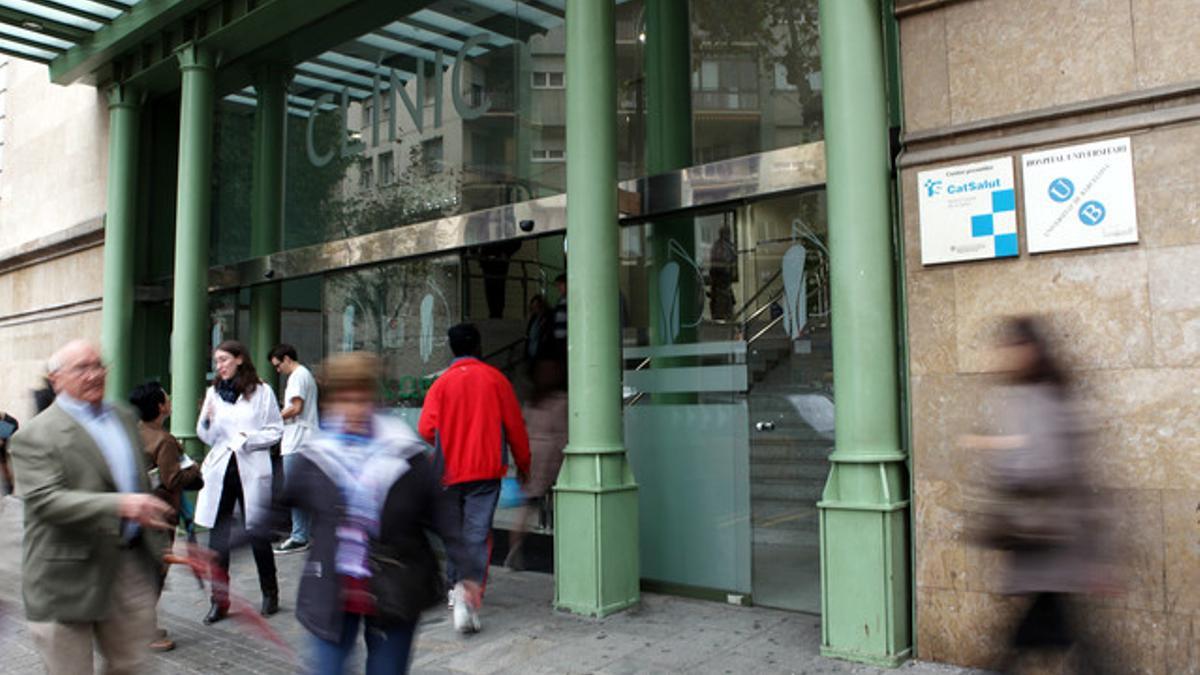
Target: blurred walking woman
[(240, 422), (373, 495), (1041, 512)]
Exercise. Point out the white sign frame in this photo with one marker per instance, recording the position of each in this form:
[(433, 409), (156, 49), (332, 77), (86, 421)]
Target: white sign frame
[(1080, 196), (968, 212)]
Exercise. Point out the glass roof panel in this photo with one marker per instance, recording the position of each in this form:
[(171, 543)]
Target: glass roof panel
[(25, 33), (41, 11)]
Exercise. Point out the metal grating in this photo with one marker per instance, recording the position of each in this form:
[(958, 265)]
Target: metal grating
[(40, 30)]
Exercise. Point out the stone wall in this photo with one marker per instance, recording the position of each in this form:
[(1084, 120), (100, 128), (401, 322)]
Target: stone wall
[(988, 78), (52, 189)]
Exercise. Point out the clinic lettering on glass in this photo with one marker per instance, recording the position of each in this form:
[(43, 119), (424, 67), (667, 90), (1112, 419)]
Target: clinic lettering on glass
[(407, 388), (395, 87)]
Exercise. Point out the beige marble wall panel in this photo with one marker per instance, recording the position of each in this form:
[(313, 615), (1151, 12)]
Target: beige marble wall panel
[(71, 278), (923, 67), (943, 408), (910, 211), (931, 329), (1097, 302), (1183, 643), (1175, 305), (939, 532), (1166, 33), (1131, 642), (1134, 530), (1166, 176), (25, 349), (1004, 59), (1147, 427), (55, 155), (965, 628), (1181, 517)]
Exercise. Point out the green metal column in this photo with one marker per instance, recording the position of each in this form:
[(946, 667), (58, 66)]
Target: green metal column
[(120, 227), (596, 541), (668, 70), (266, 210), (190, 321), (864, 535)]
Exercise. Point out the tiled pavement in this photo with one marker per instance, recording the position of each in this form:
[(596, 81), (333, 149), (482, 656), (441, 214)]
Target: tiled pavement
[(522, 633)]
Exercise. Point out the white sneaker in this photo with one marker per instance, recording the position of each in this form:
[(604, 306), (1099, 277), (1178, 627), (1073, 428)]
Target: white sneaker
[(466, 619)]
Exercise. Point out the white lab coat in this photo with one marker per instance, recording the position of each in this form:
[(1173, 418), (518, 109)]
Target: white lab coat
[(248, 427)]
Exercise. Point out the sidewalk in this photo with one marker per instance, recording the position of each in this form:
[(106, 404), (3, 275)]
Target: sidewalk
[(521, 632)]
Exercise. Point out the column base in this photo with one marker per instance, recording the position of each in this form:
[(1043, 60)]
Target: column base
[(865, 593), (894, 661), (596, 569)]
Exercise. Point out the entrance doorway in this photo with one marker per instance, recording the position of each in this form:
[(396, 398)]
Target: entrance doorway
[(729, 393)]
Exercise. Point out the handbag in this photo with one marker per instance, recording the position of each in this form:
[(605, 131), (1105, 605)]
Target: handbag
[(1019, 522), (402, 587)]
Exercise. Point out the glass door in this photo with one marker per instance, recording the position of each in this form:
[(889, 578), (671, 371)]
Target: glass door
[(790, 393)]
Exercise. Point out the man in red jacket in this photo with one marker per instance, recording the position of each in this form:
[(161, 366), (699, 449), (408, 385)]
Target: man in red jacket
[(472, 418)]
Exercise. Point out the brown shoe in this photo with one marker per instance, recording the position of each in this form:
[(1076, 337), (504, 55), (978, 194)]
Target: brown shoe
[(162, 645)]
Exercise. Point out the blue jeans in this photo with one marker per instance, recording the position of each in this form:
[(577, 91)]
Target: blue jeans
[(387, 651), (299, 517), (470, 508)]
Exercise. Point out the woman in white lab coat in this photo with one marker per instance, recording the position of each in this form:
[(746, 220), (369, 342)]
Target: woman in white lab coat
[(240, 422)]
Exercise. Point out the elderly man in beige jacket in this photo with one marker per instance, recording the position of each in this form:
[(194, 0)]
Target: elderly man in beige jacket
[(91, 549)]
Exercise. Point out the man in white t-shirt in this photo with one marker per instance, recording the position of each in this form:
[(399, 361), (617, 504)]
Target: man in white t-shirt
[(299, 420)]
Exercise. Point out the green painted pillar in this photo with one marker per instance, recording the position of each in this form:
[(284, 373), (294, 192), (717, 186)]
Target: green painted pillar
[(120, 228), (668, 71), (596, 536), (864, 537), (190, 320), (266, 211)]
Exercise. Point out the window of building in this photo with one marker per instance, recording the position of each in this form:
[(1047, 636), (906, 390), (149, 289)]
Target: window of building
[(726, 83), (433, 153), (781, 79), (368, 109), (547, 155), (366, 173), (547, 80), (387, 168)]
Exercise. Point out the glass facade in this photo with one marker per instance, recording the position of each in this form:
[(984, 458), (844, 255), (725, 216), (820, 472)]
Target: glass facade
[(724, 310), (460, 107)]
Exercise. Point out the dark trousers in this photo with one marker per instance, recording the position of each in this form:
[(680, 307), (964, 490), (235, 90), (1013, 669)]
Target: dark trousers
[(1051, 624), (388, 651), (218, 539), (469, 508), (495, 285)]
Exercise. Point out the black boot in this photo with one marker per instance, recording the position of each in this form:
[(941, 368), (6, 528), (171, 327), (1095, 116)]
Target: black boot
[(270, 603), (216, 612)]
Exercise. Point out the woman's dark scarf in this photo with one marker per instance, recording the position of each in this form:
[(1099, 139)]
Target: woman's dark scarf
[(226, 390)]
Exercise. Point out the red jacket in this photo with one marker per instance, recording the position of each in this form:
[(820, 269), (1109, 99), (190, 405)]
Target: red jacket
[(470, 415)]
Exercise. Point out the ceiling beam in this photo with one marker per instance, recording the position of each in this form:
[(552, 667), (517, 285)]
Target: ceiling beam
[(125, 32)]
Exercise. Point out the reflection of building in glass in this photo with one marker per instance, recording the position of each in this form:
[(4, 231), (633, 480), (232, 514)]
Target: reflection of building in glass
[(438, 113)]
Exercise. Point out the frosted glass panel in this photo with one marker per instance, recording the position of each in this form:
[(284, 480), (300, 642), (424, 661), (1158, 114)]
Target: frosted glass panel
[(692, 464)]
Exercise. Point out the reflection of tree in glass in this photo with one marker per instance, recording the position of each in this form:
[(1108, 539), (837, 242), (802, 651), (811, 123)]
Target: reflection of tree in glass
[(422, 191), (722, 24), (389, 302), (310, 190), (777, 32), (233, 144)]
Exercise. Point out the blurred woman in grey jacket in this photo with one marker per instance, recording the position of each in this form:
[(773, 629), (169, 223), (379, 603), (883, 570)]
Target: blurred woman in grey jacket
[(1042, 512)]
